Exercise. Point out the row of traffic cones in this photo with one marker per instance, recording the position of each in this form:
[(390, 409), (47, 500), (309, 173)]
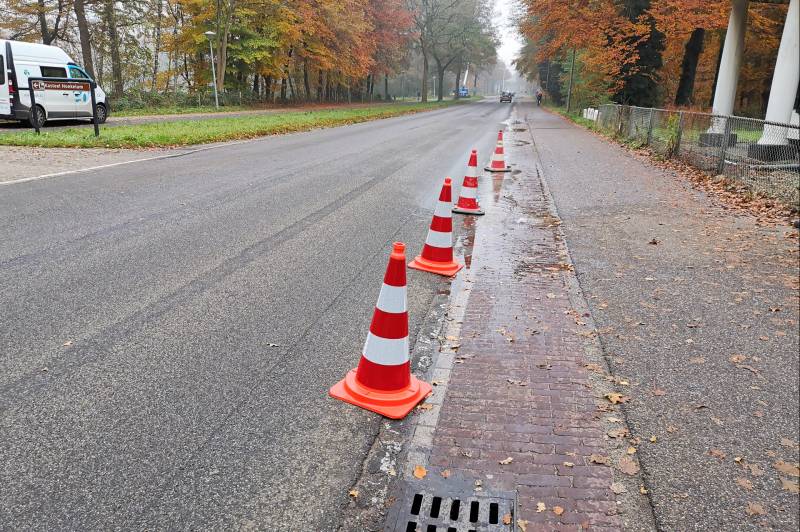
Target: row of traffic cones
[(383, 382)]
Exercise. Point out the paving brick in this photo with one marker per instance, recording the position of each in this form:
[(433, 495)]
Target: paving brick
[(528, 399)]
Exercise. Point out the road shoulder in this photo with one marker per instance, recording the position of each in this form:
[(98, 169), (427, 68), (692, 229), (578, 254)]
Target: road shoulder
[(520, 409)]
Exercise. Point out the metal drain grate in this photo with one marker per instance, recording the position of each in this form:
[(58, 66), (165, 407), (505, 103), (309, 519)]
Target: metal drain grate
[(442, 510)]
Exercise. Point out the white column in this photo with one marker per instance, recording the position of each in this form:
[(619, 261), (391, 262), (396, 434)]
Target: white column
[(732, 51), (785, 79)]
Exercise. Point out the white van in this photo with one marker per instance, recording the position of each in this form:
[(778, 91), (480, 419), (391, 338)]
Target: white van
[(22, 60)]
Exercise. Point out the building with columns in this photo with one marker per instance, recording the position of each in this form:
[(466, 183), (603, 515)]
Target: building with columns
[(775, 141)]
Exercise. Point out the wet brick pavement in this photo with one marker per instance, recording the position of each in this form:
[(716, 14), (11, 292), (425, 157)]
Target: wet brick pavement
[(519, 388)]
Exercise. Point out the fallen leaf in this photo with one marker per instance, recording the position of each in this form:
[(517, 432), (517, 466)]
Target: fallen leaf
[(67, 343), (507, 519), (424, 406), (737, 359), (754, 508), (540, 507), (654, 242), (569, 464), (643, 490), (620, 432), (558, 510), (618, 487), (631, 450), (506, 461), (628, 465), (516, 382), (451, 338), (653, 439), (616, 398), (659, 392), (522, 524), (790, 486), (353, 493), (445, 473), (786, 442), (755, 470), (716, 453), (600, 459), (420, 471), (787, 468), (743, 482), (551, 296)]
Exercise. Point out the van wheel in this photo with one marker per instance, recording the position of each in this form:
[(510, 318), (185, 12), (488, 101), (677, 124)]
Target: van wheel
[(102, 113), (39, 117)]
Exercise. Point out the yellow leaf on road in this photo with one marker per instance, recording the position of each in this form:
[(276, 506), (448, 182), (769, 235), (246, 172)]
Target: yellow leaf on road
[(558, 510), (420, 471), (540, 507), (506, 461)]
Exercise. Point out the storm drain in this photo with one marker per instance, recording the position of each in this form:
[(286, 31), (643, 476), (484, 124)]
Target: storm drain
[(441, 510)]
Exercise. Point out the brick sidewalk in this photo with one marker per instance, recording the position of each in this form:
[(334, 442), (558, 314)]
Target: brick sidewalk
[(519, 387)]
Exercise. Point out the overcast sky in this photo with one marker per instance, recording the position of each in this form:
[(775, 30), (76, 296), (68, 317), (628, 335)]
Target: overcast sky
[(510, 41)]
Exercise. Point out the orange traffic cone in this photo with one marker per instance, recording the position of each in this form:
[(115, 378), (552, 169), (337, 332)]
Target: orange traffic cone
[(383, 382), (498, 163), (437, 255), (467, 198)]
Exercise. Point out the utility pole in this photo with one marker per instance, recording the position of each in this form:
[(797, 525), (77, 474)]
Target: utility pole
[(571, 75)]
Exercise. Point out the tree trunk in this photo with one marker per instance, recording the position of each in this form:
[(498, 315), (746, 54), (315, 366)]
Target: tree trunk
[(716, 70), (306, 84), (85, 37), (691, 54), (320, 87), (113, 37), (256, 86), (458, 80), (440, 75), (283, 89), (425, 73), (223, 34), (157, 44), (386, 87)]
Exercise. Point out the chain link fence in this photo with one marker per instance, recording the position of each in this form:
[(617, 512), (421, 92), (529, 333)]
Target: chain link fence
[(765, 156)]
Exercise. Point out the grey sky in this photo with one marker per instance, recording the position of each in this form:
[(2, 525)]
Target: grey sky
[(510, 40)]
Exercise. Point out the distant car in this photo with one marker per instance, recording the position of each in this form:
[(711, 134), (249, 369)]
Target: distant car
[(463, 92), (506, 97)]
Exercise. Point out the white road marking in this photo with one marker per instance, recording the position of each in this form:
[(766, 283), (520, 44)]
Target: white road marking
[(133, 161)]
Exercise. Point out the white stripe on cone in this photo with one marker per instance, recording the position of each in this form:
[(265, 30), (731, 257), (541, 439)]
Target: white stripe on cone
[(497, 156), (439, 239), (443, 210), (392, 299), (386, 352), (468, 192), (472, 171)]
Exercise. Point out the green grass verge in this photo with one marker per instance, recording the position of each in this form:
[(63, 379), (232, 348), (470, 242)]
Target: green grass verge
[(147, 111), (188, 132)]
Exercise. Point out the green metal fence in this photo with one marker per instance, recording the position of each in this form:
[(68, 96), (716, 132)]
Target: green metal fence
[(762, 155)]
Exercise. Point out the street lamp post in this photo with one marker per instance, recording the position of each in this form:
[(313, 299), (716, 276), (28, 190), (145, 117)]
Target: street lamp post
[(209, 35)]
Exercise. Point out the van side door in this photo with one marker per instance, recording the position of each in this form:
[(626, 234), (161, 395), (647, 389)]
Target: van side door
[(59, 103)]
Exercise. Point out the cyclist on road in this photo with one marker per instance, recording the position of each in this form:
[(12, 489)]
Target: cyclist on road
[(538, 96)]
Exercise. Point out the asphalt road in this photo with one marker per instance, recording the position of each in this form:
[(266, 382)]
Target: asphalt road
[(170, 328)]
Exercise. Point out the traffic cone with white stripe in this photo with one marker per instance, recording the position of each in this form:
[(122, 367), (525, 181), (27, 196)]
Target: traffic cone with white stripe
[(437, 255), (383, 382), (468, 197), (498, 163)]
